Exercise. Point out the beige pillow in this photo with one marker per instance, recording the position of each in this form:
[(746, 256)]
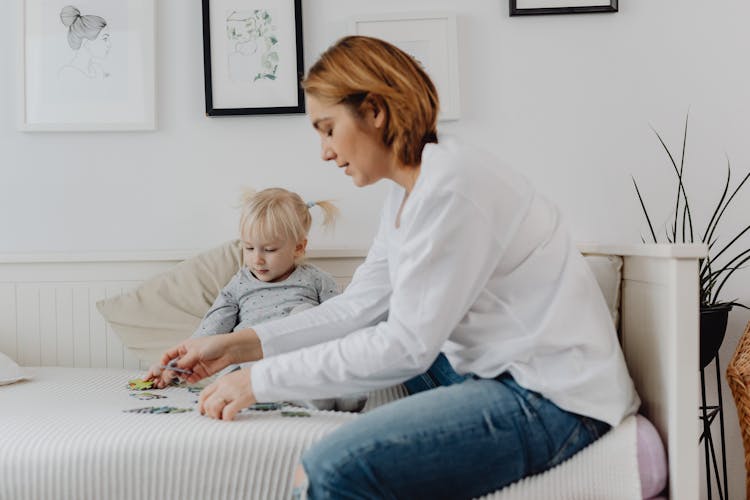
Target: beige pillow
[(169, 307)]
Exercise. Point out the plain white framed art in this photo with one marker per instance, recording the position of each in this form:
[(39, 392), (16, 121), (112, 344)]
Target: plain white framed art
[(429, 37), (87, 65)]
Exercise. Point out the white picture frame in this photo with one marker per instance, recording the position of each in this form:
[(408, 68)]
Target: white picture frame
[(431, 38), (87, 65)]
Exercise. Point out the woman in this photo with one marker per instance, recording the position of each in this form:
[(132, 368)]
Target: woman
[(468, 260)]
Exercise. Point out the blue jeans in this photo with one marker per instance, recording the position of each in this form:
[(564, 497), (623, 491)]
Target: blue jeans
[(465, 438)]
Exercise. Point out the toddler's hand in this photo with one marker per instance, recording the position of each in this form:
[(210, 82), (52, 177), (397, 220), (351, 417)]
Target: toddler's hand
[(160, 376)]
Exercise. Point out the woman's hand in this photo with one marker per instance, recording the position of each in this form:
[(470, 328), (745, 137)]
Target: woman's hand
[(227, 396), (204, 356), (200, 357)]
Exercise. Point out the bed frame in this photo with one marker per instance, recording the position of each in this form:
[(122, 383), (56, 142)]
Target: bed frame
[(48, 318)]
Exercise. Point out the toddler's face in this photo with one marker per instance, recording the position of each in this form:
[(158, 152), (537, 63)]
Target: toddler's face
[(272, 260)]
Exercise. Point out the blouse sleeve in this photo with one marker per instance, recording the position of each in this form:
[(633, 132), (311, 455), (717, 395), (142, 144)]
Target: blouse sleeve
[(449, 251), (363, 303)]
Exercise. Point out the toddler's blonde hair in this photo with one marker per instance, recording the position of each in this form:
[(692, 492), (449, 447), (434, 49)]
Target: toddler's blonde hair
[(276, 213)]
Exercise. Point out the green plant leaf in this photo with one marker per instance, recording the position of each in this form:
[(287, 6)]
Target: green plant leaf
[(709, 260), (731, 242), (645, 212), (716, 210), (684, 212), (680, 185), (713, 275), (729, 269), (679, 190), (716, 223)]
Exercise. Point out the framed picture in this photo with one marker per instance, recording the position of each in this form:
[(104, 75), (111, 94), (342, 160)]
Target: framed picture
[(87, 65), (431, 39), (532, 7), (252, 57)]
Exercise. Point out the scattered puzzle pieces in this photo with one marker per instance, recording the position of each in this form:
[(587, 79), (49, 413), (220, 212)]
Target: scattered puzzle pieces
[(138, 384), (158, 410), (265, 406), (294, 413), (145, 396)]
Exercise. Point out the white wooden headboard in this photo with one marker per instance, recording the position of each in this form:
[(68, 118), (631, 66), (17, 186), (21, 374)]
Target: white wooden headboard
[(48, 318), (660, 318)]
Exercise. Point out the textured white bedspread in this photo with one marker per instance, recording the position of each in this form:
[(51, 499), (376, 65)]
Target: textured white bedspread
[(605, 470), (63, 435)]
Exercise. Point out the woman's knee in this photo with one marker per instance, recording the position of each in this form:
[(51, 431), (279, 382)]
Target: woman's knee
[(323, 466), (335, 470)]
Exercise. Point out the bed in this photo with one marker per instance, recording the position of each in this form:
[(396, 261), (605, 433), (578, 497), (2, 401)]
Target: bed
[(64, 433)]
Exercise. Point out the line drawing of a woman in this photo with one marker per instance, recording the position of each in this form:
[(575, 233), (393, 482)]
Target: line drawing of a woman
[(253, 46), (89, 38)]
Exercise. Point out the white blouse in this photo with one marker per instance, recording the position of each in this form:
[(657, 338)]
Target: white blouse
[(481, 268)]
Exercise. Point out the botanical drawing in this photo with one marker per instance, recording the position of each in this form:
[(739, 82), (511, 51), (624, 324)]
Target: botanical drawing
[(89, 39), (252, 45)]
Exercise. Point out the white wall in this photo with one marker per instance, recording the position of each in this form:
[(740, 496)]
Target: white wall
[(566, 99)]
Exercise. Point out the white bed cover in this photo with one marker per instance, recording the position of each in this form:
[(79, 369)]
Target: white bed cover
[(63, 435)]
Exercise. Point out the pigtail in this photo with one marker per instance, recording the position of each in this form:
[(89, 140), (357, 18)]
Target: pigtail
[(330, 212), (280, 214), (247, 195)]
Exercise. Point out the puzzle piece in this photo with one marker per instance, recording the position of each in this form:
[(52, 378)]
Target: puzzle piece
[(292, 413), (145, 396), (173, 367), (138, 384), (265, 406), (158, 410)]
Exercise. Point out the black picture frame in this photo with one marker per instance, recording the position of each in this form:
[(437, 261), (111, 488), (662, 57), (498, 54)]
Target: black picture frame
[(294, 106), (605, 6)]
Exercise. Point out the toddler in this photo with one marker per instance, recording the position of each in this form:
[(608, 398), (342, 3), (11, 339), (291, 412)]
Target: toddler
[(273, 282)]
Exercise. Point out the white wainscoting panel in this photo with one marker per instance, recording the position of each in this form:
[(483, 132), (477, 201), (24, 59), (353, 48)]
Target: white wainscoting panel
[(48, 314), (57, 324), (8, 341)]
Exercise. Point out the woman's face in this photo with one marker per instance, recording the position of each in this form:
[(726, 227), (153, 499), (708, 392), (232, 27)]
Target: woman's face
[(99, 48), (354, 143)]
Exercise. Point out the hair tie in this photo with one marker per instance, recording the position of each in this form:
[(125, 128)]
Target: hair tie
[(311, 204)]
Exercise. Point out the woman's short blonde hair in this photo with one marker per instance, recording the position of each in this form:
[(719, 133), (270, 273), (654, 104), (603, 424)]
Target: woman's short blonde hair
[(357, 70), (278, 214)]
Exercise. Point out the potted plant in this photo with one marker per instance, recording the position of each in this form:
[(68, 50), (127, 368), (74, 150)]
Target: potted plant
[(722, 261)]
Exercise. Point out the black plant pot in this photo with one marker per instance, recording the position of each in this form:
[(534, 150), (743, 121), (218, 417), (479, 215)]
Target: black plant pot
[(713, 329)]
